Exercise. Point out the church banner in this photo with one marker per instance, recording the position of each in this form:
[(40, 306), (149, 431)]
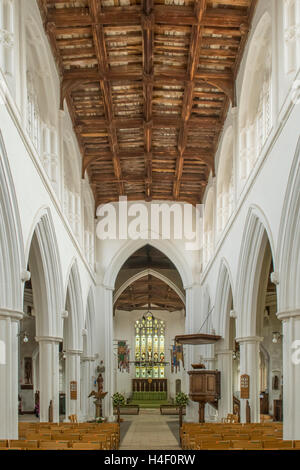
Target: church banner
[(123, 356), (176, 357)]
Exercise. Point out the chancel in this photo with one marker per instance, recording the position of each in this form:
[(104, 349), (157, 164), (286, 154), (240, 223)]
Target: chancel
[(149, 224)]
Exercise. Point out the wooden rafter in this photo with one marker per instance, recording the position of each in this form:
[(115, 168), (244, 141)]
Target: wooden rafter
[(148, 87), (149, 293)]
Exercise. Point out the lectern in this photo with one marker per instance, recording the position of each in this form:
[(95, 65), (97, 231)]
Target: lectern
[(204, 388)]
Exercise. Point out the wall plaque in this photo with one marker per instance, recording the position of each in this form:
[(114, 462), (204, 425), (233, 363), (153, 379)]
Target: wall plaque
[(73, 390), (245, 386)]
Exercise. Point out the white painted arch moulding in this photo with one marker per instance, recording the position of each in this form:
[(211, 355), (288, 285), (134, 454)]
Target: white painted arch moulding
[(131, 246), (75, 320), (224, 294), (11, 245), (144, 273), (89, 342), (289, 241), (46, 275), (256, 235)]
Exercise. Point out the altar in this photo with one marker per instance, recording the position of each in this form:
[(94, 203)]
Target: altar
[(149, 385)]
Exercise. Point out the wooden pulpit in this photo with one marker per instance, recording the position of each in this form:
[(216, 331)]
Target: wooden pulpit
[(204, 388)]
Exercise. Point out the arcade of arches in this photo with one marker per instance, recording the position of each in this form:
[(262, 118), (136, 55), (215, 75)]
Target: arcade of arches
[(172, 104)]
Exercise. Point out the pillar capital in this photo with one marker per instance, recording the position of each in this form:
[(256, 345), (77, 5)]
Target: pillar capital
[(11, 313), (88, 358), (288, 314), (224, 352), (250, 339), (48, 339), (74, 352)]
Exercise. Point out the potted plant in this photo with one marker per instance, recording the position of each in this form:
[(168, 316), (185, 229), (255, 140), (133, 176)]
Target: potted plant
[(181, 400), (100, 420), (118, 400)]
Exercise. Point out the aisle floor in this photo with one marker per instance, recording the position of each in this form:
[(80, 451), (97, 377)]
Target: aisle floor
[(150, 431)]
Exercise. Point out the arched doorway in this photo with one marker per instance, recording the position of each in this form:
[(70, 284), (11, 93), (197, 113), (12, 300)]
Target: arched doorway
[(110, 285), (148, 312)]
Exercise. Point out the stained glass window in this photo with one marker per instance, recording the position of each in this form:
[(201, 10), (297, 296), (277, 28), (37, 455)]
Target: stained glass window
[(149, 347)]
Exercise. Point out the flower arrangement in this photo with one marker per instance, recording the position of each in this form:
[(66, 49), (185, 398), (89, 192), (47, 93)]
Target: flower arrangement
[(100, 420), (118, 399), (181, 399)]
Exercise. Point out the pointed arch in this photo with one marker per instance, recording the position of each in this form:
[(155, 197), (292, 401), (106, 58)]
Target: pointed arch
[(89, 346), (130, 247), (256, 236), (73, 324), (44, 263), (289, 241), (146, 272), (224, 300), (11, 245)]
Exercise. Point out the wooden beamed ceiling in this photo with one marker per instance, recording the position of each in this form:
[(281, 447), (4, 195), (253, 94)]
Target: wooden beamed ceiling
[(150, 293), (148, 84)]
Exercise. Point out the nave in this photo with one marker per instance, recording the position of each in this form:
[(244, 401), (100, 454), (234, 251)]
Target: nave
[(127, 129)]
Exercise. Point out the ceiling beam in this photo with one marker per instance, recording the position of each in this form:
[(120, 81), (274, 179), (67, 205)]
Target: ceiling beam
[(194, 53), (148, 23)]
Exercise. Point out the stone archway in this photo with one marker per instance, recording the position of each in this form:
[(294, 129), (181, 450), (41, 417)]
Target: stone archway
[(46, 284), (167, 248)]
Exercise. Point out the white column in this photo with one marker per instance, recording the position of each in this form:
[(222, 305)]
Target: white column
[(9, 328), (91, 406), (291, 373), (211, 413), (192, 408), (49, 376), (72, 374), (249, 364), (224, 358), (88, 411), (109, 382)]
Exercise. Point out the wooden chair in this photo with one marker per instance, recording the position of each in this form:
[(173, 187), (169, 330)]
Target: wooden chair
[(53, 445), (73, 419), (86, 446), (277, 445), (296, 444), (246, 445), (24, 444)]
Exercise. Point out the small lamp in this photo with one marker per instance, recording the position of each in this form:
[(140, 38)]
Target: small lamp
[(276, 337)]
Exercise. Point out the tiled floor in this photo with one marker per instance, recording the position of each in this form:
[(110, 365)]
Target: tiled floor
[(28, 418), (150, 431)]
